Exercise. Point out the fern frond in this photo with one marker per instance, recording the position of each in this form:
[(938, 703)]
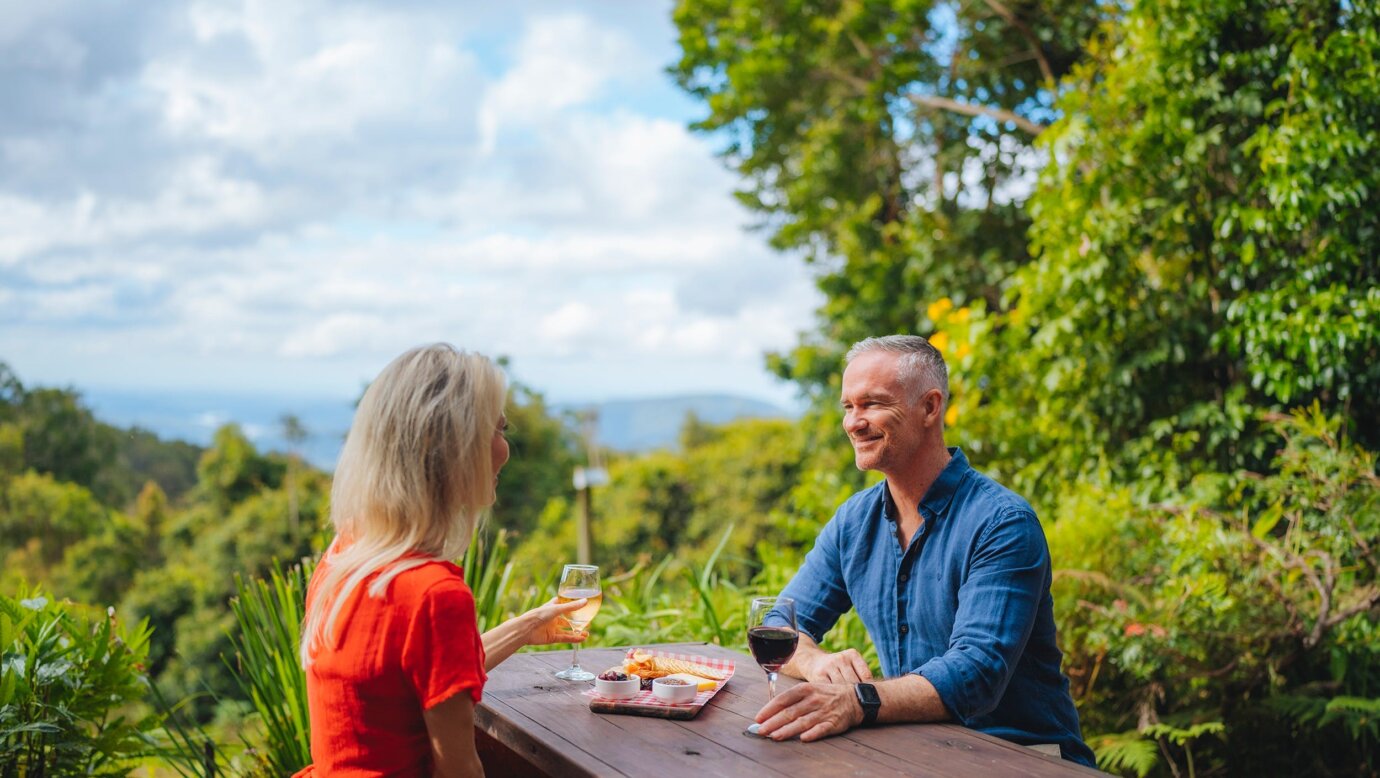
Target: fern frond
[(1125, 752)]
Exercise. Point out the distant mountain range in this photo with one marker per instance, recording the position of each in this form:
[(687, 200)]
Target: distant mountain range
[(630, 425), (645, 424)]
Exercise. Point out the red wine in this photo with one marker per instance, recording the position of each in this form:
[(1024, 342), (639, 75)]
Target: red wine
[(772, 646)]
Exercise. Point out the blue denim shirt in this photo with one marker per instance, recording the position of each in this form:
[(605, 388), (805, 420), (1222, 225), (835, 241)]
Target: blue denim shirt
[(967, 605)]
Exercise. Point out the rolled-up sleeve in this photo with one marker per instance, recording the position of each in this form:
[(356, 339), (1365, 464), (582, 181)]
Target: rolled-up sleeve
[(997, 603), (818, 587)]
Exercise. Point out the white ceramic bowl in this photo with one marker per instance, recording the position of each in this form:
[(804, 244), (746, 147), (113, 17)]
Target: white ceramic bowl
[(672, 692), (618, 690)]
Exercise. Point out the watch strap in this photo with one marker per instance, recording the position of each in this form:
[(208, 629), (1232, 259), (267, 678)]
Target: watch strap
[(870, 701)]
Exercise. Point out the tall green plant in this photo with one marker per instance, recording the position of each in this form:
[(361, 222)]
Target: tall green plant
[(267, 667), (488, 571), (71, 683)]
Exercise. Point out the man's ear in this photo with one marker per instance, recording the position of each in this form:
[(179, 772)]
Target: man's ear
[(933, 403)]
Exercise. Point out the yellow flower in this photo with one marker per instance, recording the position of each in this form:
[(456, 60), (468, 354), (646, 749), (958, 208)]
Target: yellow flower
[(961, 315), (951, 415), (964, 350), (938, 308), (940, 340)]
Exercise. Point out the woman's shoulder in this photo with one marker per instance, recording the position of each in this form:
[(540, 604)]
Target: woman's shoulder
[(431, 575)]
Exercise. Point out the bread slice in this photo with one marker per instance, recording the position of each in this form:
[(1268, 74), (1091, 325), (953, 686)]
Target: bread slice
[(672, 666)]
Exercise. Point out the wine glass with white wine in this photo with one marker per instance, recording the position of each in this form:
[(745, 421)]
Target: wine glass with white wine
[(579, 582)]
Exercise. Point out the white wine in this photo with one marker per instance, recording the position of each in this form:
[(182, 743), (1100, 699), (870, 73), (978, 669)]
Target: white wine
[(579, 582), (585, 615)]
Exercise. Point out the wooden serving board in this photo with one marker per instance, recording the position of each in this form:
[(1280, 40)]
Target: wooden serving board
[(634, 708), (647, 704)]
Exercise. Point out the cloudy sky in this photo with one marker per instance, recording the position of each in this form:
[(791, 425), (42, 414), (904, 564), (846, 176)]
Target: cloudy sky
[(278, 197)]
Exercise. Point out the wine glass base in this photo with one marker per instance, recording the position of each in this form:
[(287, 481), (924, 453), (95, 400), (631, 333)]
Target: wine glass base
[(575, 674)]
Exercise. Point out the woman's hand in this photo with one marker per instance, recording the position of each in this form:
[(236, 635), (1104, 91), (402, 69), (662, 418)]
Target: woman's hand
[(540, 626), (546, 623)]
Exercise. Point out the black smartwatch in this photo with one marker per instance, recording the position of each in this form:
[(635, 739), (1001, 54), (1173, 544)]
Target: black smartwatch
[(870, 702)]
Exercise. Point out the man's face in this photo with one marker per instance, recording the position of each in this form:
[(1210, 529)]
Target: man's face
[(884, 425)]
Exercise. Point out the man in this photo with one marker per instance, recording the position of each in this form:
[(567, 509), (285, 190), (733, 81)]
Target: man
[(949, 571)]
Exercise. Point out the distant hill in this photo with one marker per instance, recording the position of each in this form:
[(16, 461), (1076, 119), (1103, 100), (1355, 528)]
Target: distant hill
[(195, 416), (645, 424), (630, 425)]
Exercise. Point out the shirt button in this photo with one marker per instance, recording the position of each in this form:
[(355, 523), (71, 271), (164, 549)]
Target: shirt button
[(904, 629), (905, 577)]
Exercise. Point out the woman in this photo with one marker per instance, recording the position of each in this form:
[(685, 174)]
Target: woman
[(394, 659)]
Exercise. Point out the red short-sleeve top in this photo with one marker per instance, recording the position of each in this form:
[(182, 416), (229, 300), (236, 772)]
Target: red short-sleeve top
[(395, 656)]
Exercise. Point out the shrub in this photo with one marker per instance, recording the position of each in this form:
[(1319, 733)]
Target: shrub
[(71, 681)]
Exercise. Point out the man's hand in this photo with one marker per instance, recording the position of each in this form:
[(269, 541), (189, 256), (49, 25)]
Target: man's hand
[(810, 663), (545, 624), (812, 711), (847, 666)]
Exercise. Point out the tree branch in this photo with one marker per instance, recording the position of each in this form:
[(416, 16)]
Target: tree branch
[(1025, 31), (1360, 607), (973, 109)]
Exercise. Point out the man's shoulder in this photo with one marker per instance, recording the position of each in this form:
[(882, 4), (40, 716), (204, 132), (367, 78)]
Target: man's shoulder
[(989, 498), (862, 503)]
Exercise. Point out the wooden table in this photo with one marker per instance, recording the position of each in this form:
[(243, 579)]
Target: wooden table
[(531, 722)]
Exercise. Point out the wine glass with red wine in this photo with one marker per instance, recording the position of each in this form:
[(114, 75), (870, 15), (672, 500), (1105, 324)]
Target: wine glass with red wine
[(772, 636)]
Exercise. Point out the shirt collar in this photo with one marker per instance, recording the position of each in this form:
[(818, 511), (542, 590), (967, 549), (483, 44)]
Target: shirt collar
[(942, 491)]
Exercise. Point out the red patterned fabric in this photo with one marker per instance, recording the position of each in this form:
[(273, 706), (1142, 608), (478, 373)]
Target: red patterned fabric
[(396, 656)]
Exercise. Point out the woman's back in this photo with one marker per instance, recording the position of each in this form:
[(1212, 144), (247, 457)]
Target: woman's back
[(392, 658)]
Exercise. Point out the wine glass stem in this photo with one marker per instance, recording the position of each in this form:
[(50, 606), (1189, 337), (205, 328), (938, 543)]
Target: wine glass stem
[(575, 655), (771, 684)]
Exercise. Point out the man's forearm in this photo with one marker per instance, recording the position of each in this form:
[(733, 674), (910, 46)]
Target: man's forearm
[(822, 708), (910, 698)]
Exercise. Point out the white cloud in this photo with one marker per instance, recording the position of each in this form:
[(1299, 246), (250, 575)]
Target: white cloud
[(265, 75), (333, 335), (264, 194), (561, 61)]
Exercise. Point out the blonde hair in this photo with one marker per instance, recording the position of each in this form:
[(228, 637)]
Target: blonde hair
[(413, 479)]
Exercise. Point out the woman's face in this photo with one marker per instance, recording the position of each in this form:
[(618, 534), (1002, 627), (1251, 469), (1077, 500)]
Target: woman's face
[(498, 450)]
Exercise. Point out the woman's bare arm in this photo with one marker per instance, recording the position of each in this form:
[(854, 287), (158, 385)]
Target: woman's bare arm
[(450, 726)]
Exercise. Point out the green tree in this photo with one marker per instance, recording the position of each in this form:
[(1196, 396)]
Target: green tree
[(41, 518), (889, 142), (542, 459), (142, 456), (62, 438), (232, 469), (11, 393), (98, 569), (11, 449), (1206, 248)]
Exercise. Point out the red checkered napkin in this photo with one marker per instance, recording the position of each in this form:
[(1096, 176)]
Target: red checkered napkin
[(649, 699)]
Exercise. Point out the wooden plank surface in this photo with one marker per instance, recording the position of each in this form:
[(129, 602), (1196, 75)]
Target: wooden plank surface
[(548, 722)]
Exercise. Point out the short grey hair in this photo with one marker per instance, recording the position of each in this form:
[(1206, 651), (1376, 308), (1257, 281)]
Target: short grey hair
[(920, 369)]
